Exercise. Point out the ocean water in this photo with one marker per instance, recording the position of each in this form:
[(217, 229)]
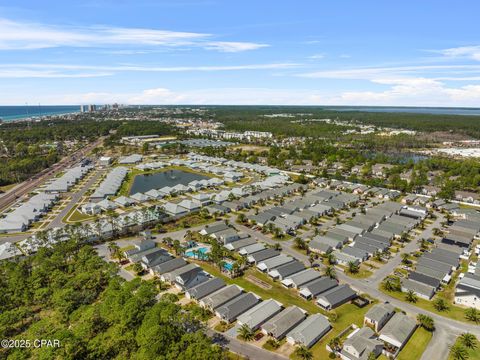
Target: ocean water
[(10, 113), (413, 110)]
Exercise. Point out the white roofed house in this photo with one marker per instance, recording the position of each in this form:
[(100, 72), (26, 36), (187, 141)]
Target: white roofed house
[(174, 209), (124, 201), (107, 205), (91, 208), (190, 205), (232, 176), (221, 197), (166, 191), (203, 198), (467, 291), (180, 189), (226, 236), (140, 197), (154, 194)]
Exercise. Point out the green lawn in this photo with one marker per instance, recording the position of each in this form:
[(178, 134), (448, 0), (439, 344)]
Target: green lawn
[(473, 354), (416, 345), (74, 216), (454, 312), (361, 274)]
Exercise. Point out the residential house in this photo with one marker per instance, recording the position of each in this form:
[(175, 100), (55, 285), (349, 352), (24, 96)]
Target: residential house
[(259, 314), (279, 325), (309, 331), (335, 297), (397, 331), (378, 315)]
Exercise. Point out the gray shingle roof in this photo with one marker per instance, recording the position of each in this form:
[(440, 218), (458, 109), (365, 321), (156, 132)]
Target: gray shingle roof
[(310, 330)]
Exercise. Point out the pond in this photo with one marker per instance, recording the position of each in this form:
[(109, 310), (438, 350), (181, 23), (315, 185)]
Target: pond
[(145, 182), (400, 157)]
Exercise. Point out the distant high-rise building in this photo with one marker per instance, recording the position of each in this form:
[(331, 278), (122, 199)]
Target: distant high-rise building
[(92, 108)]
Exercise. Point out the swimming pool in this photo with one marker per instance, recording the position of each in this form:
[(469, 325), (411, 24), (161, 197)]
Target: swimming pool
[(199, 253), (228, 266)]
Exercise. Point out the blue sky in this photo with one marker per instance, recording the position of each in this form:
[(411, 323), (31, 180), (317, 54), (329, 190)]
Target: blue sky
[(344, 52)]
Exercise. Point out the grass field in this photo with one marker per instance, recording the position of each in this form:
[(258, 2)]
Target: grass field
[(74, 216), (416, 345), (473, 354)]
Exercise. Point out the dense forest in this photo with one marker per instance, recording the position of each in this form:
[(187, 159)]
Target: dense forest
[(253, 117), (70, 294)]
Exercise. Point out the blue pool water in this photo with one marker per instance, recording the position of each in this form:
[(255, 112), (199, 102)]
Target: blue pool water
[(228, 266), (202, 254)]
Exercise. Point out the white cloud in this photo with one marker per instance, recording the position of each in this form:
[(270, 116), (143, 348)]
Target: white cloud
[(225, 46), (401, 92), (72, 71), (470, 52), (16, 35), (317, 57), (394, 72)]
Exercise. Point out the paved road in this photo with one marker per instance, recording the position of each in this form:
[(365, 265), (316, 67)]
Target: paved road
[(439, 346), (412, 246), (24, 188), (103, 252), (243, 348), (74, 200)]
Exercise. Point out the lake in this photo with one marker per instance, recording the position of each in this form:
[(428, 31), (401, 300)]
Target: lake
[(146, 182)]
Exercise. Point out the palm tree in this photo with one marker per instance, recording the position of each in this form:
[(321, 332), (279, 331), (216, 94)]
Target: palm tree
[(458, 352), (426, 322), (472, 314), (330, 272), (235, 268), (331, 258), (410, 296), (177, 247), (353, 267), (137, 268), (440, 304), (304, 353), (112, 247), (246, 333), (405, 259), (277, 246), (468, 340), (311, 259), (335, 343)]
